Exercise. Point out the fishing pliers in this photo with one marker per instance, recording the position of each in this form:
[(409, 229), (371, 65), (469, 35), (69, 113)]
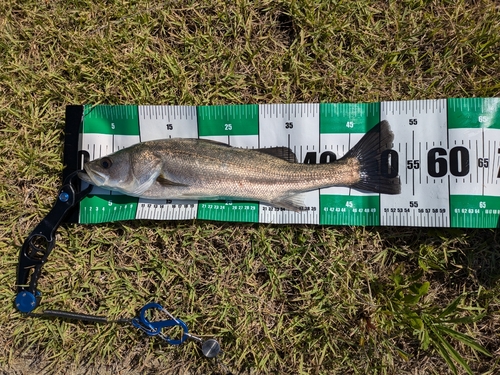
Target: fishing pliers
[(38, 245)]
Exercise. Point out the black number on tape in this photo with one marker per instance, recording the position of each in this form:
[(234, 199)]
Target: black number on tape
[(310, 158), (413, 164), (437, 165), (327, 157), (389, 166), (459, 161), (498, 175), (483, 162)]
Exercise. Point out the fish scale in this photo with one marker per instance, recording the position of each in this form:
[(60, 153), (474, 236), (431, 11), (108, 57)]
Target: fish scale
[(446, 152)]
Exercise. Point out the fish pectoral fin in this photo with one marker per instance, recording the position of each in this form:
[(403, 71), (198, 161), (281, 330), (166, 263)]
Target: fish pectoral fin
[(162, 180), (279, 152), (292, 202), (144, 185)]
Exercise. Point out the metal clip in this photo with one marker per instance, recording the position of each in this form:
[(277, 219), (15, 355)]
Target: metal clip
[(155, 328)]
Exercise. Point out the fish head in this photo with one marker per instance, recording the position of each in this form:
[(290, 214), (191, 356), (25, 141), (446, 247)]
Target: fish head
[(130, 171)]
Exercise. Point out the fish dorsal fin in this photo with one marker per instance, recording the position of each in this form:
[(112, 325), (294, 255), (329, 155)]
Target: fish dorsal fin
[(214, 142), (162, 180), (280, 152)]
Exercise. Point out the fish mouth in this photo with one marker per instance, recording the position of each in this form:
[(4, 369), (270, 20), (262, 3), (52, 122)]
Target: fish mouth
[(92, 177)]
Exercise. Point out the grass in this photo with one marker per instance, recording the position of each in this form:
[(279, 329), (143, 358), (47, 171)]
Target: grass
[(281, 299)]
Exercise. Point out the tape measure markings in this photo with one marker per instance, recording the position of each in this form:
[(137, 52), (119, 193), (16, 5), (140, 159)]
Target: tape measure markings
[(447, 148)]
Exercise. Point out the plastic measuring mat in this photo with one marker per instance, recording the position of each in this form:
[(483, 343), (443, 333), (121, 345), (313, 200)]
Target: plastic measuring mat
[(446, 152)]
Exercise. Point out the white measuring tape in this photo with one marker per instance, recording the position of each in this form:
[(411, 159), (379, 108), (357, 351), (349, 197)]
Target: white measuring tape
[(446, 152)]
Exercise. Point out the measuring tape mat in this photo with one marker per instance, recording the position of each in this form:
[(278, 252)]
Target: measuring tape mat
[(446, 152)]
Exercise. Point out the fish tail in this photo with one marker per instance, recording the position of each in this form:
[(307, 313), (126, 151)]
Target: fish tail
[(369, 152)]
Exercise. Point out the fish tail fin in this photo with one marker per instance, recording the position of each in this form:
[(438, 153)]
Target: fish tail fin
[(369, 152)]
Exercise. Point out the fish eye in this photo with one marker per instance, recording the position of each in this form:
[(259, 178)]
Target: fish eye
[(106, 163)]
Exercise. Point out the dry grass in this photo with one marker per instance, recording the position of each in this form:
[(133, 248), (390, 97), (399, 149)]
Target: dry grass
[(291, 299)]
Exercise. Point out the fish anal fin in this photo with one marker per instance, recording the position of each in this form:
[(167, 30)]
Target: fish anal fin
[(294, 202), (280, 152)]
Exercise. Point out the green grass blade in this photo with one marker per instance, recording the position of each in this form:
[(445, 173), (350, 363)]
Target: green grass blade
[(451, 352), (451, 308), (445, 355), (467, 340)]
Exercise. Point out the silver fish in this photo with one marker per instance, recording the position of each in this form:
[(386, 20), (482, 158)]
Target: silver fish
[(181, 168)]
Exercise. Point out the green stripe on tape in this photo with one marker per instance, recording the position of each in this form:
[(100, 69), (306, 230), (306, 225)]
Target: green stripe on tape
[(228, 211), (348, 117), (349, 210), (469, 211), (105, 208), (468, 154), (223, 120), (111, 119), (474, 113)]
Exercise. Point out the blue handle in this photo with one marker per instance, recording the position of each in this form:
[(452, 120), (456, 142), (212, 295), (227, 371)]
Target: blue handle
[(26, 301)]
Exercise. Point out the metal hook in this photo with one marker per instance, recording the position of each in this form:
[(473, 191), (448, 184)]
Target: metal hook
[(155, 328)]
